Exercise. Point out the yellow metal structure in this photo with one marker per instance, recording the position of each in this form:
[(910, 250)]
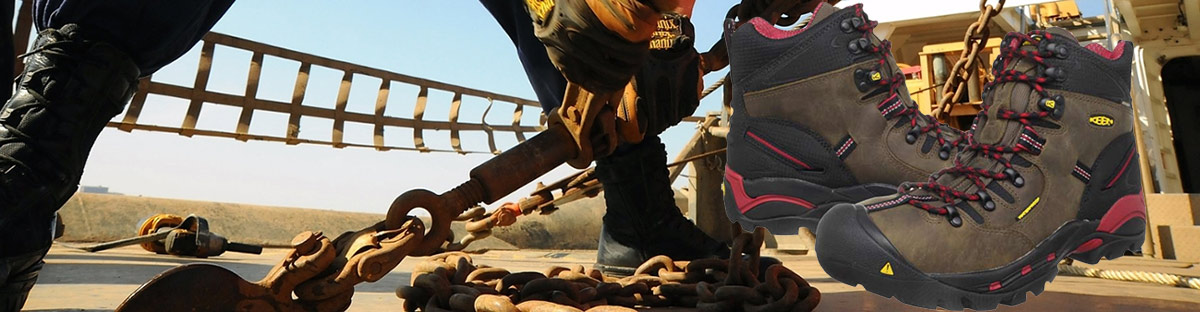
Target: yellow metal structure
[(949, 53), (1057, 11)]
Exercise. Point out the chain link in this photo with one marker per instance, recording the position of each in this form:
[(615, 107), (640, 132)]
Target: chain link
[(451, 281), (974, 41)]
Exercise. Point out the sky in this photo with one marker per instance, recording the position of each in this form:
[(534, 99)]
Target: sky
[(456, 42)]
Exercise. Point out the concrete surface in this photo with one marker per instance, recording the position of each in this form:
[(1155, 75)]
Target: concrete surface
[(75, 280)]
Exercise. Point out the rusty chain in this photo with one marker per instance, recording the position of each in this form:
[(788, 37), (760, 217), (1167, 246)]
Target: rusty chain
[(452, 282), (369, 252), (974, 41), (479, 222), (319, 274)]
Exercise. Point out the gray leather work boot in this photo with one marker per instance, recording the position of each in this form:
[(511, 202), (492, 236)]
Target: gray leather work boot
[(821, 116), (1050, 172)]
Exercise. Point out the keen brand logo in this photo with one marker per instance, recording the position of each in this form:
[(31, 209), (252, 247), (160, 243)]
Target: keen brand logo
[(1102, 120)]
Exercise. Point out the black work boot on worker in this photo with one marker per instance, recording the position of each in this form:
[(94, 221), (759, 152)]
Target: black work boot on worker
[(1050, 172), (642, 220), (69, 90), (821, 116)]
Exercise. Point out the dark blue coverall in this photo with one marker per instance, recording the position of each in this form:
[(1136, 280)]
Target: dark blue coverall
[(153, 33)]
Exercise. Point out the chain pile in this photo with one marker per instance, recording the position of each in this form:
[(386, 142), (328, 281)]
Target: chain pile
[(452, 282)]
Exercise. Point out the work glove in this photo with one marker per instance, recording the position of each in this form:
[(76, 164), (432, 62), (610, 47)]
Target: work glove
[(667, 88), (598, 44)]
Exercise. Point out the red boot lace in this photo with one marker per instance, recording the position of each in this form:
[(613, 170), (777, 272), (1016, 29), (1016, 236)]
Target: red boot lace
[(1009, 53), (893, 83)]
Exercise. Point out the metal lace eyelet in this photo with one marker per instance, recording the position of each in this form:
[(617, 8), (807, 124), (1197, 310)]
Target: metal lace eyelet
[(1053, 49), (911, 137), (1056, 73), (849, 25), (859, 45), (952, 215), (1016, 178), (944, 153), (1052, 104), (986, 199)]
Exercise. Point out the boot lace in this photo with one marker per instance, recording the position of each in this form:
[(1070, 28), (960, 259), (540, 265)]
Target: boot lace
[(884, 51), (1029, 141)]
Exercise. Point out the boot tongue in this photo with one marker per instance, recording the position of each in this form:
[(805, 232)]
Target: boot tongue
[(1062, 33), (824, 10), (1014, 96)]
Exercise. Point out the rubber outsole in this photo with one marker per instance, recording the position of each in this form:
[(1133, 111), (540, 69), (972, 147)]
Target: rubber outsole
[(793, 216), (855, 237)]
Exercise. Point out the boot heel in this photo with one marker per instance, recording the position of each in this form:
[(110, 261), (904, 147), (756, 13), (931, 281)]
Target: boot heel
[(784, 205), (1123, 228), (1109, 245)]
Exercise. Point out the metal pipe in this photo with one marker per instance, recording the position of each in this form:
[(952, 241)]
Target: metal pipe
[(718, 131), (1108, 26), (535, 157)]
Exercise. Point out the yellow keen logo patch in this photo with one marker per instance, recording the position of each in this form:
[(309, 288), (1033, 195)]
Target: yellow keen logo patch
[(1101, 120), (887, 269), (1051, 103), (876, 76), (539, 8)]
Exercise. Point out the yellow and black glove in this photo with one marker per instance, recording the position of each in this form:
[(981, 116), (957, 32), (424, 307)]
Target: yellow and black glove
[(667, 88), (598, 44)]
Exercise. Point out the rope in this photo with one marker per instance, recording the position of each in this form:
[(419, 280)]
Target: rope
[(1131, 276), (713, 87)]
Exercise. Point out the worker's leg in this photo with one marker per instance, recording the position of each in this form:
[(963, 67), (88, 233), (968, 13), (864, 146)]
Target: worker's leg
[(20, 272), (153, 33), (6, 47), (547, 81), (641, 220), (81, 72)]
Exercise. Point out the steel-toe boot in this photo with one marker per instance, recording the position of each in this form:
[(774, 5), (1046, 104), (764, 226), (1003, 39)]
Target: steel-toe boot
[(70, 88), (641, 220), (821, 116), (1050, 172)]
